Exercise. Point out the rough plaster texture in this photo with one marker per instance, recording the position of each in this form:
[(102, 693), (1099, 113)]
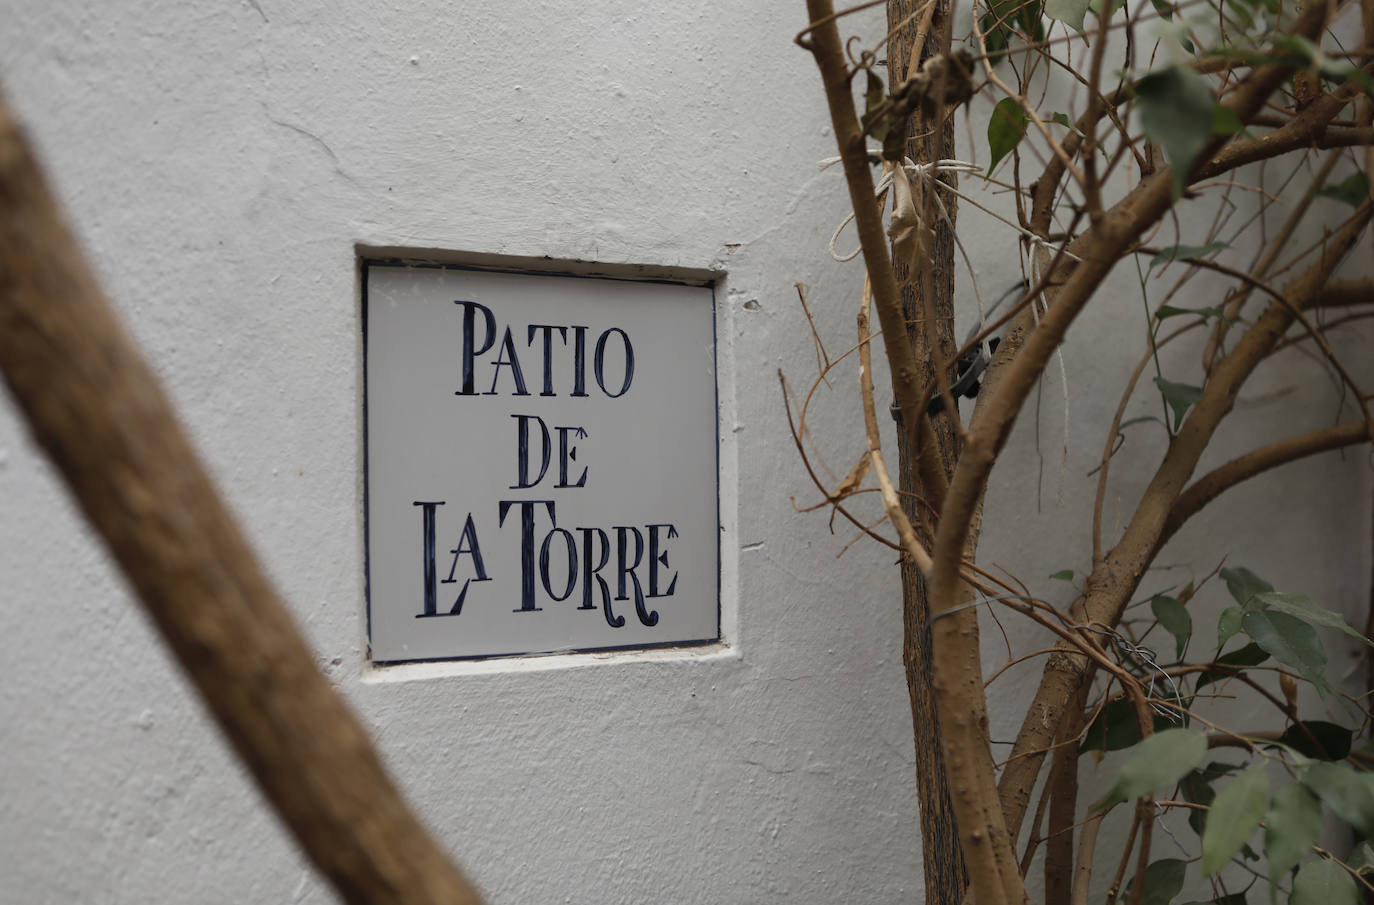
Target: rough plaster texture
[(222, 161)]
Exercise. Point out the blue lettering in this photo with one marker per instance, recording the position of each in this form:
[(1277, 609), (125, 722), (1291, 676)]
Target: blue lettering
[(470, 349)]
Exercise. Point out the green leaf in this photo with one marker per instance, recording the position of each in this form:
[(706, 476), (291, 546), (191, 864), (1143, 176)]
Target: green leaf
[(1185, 253), (1062, 575), (1344, 792), (1235, 814), (1197, 788), (1006, 128), (1113, 728), (1332, 741), (1163, 881), (1241, 13), (1225, 121), (1070, 12), (1006, 17), (1244, 584), (1175, 619), (1242, 10), (1303, 54), (1303, 50), (1168, 311), (996, 36), (1228, 623), (1171, 29), (1249, 655), (1304, 608), (1290, 641), (1341, 72), (1176, 112), (1095, 7), (1160, 760), (1235, 898), (1290, 829), (1216, 770), (1063, 120), (1116, 727), (1353, 190), (1362, 858), (1179, 396), (1324, 883)]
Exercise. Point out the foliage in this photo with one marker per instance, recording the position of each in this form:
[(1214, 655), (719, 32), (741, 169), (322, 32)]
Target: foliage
[(1173, 103)]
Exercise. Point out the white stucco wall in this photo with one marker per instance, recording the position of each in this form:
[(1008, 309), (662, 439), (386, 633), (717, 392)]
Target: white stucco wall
[(221, 162)]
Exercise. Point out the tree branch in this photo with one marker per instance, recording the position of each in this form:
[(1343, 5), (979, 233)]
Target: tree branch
[(892, 504), (824, 44), (958, 685), (1221, 479), (97, 409), (919, 30), (1345, 293), (1063, 783), (1304, 130), (1109, 586), (1098, 250)]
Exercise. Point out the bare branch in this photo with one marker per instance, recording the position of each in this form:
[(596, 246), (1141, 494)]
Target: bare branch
[(891, 502), (1223, 478)]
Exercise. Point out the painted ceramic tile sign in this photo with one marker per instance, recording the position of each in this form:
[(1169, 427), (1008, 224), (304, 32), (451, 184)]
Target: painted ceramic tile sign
[(541, 463)]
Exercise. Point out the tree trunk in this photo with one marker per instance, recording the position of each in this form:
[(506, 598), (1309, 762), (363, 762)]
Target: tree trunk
[(944, 869)]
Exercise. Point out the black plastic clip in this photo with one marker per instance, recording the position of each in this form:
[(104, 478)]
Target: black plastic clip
[(967, 380)]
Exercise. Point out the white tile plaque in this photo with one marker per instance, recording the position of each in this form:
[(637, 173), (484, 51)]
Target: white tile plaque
[(541, 463)]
